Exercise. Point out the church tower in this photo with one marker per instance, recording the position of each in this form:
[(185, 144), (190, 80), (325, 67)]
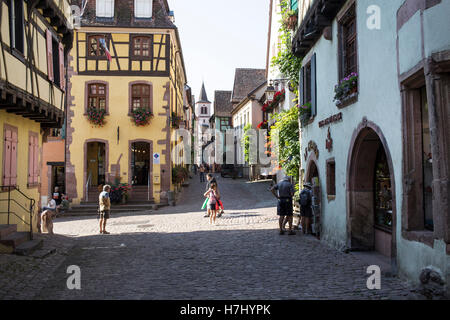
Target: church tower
[(203, 113)]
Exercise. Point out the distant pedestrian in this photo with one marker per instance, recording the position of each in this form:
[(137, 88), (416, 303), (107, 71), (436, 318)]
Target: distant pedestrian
[(284, 191), (104, 208), (212, 194), (306, 212), (202, 173)]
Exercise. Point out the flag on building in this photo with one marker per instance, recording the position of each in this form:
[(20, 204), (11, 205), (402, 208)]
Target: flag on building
[(103, 44)]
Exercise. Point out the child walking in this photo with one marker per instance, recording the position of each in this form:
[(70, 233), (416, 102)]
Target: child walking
[(213, 194)]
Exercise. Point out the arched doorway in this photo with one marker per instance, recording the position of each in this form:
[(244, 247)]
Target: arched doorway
[(312, 176), (140, 170), (96, 164), (371, 193)]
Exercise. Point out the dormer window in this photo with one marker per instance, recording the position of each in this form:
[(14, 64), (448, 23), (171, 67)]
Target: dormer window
[(143, 8), (105, 8)]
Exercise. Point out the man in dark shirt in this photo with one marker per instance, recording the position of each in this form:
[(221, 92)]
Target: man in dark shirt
[(284, 191)]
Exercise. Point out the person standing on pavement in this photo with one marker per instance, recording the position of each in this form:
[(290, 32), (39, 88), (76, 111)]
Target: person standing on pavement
[(219, 205), (202, 173), (104, 208), (209, 180), (284, 192), (213, 194), (306, 208)]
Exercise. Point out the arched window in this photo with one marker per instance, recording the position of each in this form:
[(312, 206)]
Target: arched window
[(141, 95), (96, 95)]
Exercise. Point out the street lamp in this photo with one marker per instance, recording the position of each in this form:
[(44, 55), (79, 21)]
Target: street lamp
[(270, 92)]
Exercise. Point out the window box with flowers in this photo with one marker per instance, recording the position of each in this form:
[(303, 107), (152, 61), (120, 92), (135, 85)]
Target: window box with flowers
[(346, 92), (141, 116), (175, 120), (96, 116), (305, 113)]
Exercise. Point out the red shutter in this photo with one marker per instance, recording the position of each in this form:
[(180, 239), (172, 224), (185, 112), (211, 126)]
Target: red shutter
[(30, 158), (61, 68), (49, 55), (36, 160), (7, 155), (13, 176)]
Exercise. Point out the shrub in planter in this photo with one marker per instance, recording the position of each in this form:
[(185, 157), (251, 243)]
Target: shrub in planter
[(305, 113), (96, 116), (141, 116), (346, 87)]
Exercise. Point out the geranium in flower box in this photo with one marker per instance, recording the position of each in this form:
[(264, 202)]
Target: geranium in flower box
[(96, 116), (141, 116)]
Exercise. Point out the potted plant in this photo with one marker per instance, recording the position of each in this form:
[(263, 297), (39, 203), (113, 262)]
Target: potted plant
[(96, 116), (141, 116), (291, 19), (346, 88), (305, 113)]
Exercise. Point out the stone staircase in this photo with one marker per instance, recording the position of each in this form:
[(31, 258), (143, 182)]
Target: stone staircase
[(90, 209), (12, 241)]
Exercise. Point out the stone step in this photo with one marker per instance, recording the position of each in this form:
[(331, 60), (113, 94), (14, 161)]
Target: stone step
[(7, 229), (28, 247), (11, 241)]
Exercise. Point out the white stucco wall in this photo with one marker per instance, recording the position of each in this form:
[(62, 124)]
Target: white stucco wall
[(379, 100)]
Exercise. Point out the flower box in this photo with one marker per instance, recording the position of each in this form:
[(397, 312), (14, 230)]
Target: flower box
[(346, 91), (305, 113), (141, 116), (96, 116)]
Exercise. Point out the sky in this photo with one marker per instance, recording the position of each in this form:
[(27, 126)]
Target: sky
[(218, 36)]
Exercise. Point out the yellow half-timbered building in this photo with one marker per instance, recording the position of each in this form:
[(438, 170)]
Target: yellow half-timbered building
[(35, 38), (126, 63)]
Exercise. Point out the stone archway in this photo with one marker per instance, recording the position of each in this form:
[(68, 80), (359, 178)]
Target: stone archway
[(312, 176), (371, 210)]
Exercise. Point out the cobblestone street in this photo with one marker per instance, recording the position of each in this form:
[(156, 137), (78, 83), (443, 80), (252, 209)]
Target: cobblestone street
[(174, 253)]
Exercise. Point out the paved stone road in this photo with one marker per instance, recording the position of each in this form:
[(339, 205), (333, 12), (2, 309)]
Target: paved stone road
[(174, 253)]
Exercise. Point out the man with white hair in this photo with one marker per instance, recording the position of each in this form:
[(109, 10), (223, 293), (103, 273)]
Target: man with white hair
[(104, 208)]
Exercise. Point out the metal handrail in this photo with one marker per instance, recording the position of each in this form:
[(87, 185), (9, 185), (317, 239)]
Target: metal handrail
[(30, 210), (87, 186)]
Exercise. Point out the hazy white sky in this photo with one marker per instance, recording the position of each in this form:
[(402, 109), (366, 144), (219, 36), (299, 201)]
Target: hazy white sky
[(218, 36)]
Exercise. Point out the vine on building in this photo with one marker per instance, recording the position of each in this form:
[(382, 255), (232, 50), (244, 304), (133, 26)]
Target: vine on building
[(287, 63)]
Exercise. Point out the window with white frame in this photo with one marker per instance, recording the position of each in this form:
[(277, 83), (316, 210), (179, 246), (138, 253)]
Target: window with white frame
[(105, 8), (143, 8)]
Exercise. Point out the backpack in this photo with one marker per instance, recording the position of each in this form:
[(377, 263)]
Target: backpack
[(304, 197)]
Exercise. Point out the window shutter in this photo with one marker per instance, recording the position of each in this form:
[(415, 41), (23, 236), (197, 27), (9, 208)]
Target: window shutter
[(109, 8), (143, 8), (7, 155), (36, 159), (62, 78), (30, 159), (302, 86), (14, 140), (313, 86), (105, 8), (49, 56), (294, 4)]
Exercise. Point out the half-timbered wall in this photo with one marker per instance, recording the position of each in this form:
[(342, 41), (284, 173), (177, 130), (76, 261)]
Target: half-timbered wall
[(29, 71), (124, 62)]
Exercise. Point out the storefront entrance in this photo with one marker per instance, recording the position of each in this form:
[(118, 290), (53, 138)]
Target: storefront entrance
[(371, 195), (140, 163), (140, 171), (96, 165)]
